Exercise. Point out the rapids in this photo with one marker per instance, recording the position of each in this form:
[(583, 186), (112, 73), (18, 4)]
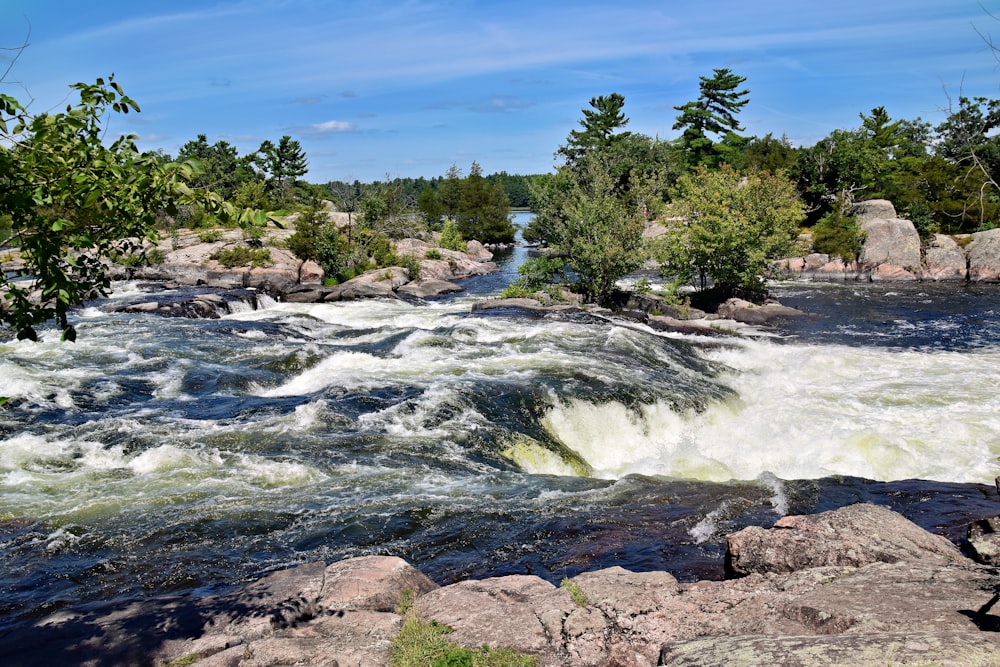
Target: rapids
[(171, 455)]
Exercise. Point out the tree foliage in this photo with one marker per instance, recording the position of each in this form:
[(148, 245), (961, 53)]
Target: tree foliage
[(591, 227), (73, 201), (601, 124), (483, 210), (728, 226), (713, 113)]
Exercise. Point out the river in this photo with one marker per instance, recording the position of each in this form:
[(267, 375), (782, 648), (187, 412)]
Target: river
[(160, 455)]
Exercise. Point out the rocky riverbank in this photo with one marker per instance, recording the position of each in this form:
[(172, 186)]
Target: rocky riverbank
[(187, 260), (893, 251), (860, 585)]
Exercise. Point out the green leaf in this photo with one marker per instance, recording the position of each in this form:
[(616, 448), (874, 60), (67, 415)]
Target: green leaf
[(57, 225)]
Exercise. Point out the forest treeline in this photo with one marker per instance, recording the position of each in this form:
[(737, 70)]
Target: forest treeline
[(725, 202)]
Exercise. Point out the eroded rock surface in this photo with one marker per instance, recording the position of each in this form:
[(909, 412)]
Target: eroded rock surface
[(859, 585)]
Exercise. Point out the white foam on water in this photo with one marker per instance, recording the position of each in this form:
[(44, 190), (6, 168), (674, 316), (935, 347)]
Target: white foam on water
[(806, 412), (86, 478)]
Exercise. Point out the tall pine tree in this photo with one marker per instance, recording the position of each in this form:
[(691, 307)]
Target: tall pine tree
[(714, 112)]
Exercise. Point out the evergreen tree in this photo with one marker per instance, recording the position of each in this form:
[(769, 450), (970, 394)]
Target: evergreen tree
[(450, 191), (714, 112), (484, 210), (600, 128)]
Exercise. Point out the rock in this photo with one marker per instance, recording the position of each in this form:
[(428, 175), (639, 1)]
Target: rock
[(654, 303), (452, 265), (817, 266), (984, 256), (359, 290), (944, 259), (306, 294), (478, 251), (370, 284), (751, 313), (891, 272), (854, 535), (872, 209), (516, 611), (310, 272), (907, 597), (373, 583), (984, 541), (867, 650), (890, 241), (423, 289), (508, 304)]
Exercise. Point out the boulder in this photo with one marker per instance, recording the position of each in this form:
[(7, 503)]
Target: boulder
[(816, 266), (756, 314), (854, 535), (984, 541), (944, 259), (478, 251), (351, 290), (984, 256), (423, 289), (310, 272), (371, 583), (370, 284), (891, 272), (306, 294), (872, 209), (890, 241)]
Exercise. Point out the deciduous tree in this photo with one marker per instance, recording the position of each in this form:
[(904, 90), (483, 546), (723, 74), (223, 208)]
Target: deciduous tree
[(74, 200), (729, 225)]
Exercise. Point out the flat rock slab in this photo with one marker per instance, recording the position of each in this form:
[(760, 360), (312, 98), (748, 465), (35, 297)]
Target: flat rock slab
[(902, 648)]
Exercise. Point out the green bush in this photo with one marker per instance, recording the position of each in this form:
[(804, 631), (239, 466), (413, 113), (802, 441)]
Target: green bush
[(838, 235), (411, 264), (242, 255), (151, 257), (451, 239), (319, 240), (210, 236), (432, 254)]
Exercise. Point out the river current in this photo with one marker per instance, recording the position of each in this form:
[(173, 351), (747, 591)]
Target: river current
[(159, 455)]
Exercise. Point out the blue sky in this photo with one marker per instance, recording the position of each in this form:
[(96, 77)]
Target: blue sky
[(408, 88)]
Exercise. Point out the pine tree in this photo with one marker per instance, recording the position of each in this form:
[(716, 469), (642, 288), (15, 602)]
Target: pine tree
[(600, 124), (714, 112)]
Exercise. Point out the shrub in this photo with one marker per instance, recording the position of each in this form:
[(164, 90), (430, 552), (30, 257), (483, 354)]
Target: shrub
[(451, 239), (210, 236), (150, 257), (432, 254), (575, 593), (838, 234), (242, 255), (411, 264), (317, 239)]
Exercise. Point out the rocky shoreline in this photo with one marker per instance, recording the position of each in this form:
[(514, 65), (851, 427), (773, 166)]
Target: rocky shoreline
[(860, 585), (894, 252)]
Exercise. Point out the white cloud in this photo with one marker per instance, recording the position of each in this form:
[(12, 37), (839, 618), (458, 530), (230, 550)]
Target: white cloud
[(331, 127)]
